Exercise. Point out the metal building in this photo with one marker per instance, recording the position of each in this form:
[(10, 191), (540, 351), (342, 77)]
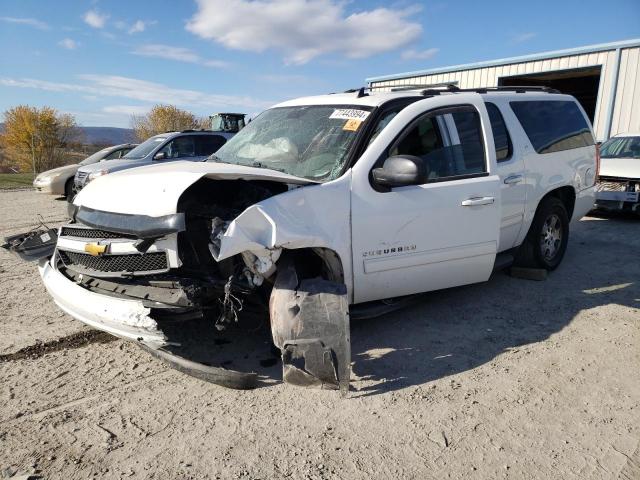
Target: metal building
[(605, 79)]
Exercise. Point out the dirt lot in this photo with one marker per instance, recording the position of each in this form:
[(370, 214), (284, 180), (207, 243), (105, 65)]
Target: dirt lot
[(508, 379)]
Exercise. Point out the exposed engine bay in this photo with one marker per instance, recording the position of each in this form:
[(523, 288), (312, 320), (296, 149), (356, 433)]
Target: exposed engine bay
[(170, 267)]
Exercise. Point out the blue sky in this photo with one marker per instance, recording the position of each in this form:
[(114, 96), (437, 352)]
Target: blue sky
[(106, 60)]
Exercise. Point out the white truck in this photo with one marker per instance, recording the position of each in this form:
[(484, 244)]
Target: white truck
[(323, 206)]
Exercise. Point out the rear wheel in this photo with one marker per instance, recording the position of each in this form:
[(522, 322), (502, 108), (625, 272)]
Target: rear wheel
[(546, 242), (69, 192)]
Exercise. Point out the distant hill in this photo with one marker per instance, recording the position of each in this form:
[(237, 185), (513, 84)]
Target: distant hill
[(107, 135), (102, 135)]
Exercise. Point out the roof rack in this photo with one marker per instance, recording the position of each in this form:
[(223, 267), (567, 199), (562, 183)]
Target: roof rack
[(415, 86), (451, 87), (516, 89)]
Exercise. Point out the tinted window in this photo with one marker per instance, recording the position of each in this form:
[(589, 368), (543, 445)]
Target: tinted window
[(553, 126), (208, 144), (501, 138), (449, 140), (117, 154), (180, 147)]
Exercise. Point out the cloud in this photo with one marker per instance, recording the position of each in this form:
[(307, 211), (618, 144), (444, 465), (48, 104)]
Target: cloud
[(523, 37), (137, 27), (179, 54), (140, 90), (68, 43), (303, 29), (31, 22), (420, 54), (95, 19)]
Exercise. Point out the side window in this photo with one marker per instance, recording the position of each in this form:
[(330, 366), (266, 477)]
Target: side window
[(501, 137), (553, 126), (124, 151), (384, 120), (208, 144), (449, 140), (112, 155), (180, 147)]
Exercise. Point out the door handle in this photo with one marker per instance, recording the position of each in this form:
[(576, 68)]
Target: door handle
[(473, 201), (513, 179)]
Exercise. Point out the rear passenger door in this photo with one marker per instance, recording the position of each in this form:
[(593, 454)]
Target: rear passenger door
[(511, 170)]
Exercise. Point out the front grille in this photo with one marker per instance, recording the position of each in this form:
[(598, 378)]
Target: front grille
[(144, 262), (91, 233), (611, 186), (79, 178)]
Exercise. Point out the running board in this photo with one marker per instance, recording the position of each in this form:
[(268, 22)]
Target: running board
[(503, 260)]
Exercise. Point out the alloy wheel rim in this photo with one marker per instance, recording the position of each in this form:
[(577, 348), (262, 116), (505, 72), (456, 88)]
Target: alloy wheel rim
[(551, 237)]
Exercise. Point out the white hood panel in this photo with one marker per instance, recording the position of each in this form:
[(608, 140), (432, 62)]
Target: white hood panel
[(155, 190), (620, 167)]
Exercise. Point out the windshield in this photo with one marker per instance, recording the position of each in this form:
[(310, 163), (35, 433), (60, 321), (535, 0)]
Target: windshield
[(145, 148), (306, 141), (96, 157), (621, 147)]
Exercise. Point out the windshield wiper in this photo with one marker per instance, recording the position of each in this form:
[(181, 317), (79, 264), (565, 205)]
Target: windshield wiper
[(262, 165)]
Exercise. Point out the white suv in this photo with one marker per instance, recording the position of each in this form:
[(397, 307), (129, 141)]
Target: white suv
[(323, 205)]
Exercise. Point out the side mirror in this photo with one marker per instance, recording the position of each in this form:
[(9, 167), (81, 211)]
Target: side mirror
[(401, 170), (160, 156)]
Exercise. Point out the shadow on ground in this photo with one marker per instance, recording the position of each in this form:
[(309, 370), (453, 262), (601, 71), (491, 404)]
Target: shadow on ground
[(458, 329)]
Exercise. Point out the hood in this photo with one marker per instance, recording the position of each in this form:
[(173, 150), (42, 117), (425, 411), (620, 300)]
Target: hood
[(154, 190), (57, 171), (620, 167), (112, 165)]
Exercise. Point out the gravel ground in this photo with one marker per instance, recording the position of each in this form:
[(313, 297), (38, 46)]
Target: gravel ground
[(507, 379)]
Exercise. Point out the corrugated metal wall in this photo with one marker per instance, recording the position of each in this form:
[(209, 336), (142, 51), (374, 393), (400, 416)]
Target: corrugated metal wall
[(626, 111)]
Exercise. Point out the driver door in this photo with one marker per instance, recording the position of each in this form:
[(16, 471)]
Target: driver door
[(439, 234)]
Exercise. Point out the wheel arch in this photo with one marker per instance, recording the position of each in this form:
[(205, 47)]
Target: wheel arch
[(566, 194)]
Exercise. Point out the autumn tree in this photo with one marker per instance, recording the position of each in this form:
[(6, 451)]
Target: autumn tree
[(36, 139), (164, 118)]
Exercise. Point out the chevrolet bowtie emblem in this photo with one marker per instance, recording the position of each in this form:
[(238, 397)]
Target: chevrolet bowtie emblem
[(95, 249)]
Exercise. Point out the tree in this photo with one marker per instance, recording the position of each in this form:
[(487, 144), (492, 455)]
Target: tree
[(35, 138), (163, 118)]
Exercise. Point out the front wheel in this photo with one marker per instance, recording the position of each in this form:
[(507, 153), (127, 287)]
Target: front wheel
[(546, 242), (69, 191)]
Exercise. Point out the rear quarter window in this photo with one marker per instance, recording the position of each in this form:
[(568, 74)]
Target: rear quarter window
[(208, 144), (501, 138), (553, 126)]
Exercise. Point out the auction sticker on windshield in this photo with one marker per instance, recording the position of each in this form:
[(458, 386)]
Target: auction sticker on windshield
[(352, 125), (349, 114)]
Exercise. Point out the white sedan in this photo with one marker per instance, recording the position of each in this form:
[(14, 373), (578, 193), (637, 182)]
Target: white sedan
[(618, 186)]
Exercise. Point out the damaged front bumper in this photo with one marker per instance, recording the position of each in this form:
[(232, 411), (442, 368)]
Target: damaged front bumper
[(129, 319), (123, 318)]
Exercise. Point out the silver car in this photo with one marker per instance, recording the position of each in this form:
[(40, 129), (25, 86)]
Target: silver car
[(186, 145)]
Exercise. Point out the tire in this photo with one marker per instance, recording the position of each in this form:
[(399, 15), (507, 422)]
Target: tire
[(547, 239), (69, 192)]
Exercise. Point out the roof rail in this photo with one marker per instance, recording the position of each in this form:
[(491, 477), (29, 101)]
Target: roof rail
[(415, 86), (517, 89)]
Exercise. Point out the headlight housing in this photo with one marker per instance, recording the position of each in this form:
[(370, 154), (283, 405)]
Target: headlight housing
[(94, 175), (43, 179)]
